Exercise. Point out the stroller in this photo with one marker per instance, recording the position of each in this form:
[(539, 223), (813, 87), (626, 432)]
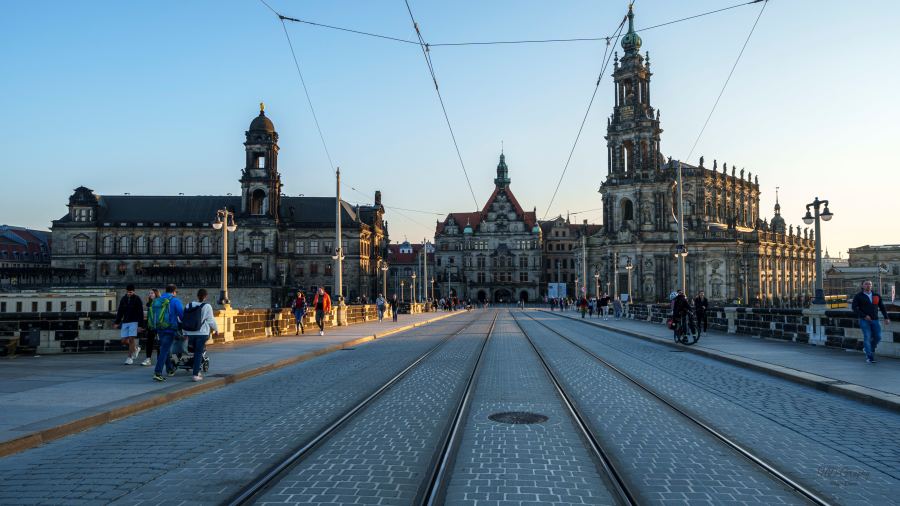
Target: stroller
[(182, 357)]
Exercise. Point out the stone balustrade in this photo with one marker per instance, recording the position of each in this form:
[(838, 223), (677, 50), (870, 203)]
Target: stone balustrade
[(75, 332), (824, 327)]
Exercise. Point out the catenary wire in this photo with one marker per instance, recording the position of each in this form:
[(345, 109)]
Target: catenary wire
[(727, 79), (507, 42), (437, 89), (607, 55)]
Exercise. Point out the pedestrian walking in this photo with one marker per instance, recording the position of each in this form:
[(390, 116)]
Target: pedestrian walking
[(866, 305), (198, 322), (128, 316), (680, 309), (299, 308), (165, 315), (617, 308), (322, 305), (701, 305), (582, 306), (604, 306), (379, 305), (394, 307), (150, 334)]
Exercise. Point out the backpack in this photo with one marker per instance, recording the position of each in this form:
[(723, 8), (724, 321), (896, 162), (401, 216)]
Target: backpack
[(158, 314), (192, 321)]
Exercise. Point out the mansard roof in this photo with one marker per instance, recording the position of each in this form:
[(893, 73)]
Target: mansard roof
[(297, 211)]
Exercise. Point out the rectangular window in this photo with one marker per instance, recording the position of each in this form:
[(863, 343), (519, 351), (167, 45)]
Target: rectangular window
[(260, 162), (326, 248), (93, 305), (313, 269), (34, 307), (2, 307), (18, 307), (523, 277), (78, 306), (299, 271), (298, 247), (313, 249), (63, 305), (481, 278)]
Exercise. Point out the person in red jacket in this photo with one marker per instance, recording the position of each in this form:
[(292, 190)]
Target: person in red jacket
[(322, 305)]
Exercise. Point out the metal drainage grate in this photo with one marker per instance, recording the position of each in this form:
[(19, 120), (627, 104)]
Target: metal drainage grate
[(518, 417)]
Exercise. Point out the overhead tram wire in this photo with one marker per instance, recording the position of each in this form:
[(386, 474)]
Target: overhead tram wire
[(722, 91), (425, 52), (506, 42), (607, 56), (302, 82)]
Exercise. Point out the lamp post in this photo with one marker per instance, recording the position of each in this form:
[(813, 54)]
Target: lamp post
[(615, 275), (681, 248), (425, 269), (339, 252), (412, 289), (629, 267), (384, 271), (809, 219), (432, 286), (225, 223), (402, 296), (558, 294), (597, 284), (576, 286)]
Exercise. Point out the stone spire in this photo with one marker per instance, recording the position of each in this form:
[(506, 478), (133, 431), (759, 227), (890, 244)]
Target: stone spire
[(778, 224), (502, 179), (631, 42)]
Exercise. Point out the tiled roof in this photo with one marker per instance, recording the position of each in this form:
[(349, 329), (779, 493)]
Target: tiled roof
[(395, 257), (474, 218)]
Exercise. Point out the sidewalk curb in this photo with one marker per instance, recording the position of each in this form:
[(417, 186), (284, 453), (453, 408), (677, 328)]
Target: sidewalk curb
[(125, 408), (834, 386)]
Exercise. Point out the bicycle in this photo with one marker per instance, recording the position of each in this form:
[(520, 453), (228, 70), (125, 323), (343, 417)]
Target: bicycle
[(687, 331)]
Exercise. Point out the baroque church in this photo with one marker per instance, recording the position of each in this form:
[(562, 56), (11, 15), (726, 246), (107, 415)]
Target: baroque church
[(281, 243), (491, 255), (733, 253)]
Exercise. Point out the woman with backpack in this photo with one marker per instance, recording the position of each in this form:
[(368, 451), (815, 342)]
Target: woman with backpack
[(299, 308), (197, 323)]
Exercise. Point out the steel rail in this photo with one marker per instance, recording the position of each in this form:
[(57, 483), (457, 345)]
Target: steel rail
[(740, 449), (438, 479), (616, 477), (254, 488)]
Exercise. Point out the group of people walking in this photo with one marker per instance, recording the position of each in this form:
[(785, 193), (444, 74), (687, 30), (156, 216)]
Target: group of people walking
[(169, 327)]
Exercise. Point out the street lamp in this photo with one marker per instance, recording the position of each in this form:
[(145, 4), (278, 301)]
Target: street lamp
[(597, 284), (681, 248), (412, 288), (384, 271), (432, 286), (809, 219), (402, 296), (576, 287), (629, 267), (225, 223)]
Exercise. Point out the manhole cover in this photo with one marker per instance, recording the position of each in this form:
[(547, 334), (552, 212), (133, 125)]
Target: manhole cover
[(518, 417)]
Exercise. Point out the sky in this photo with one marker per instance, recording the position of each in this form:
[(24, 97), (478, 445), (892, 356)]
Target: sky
[(155, 97)]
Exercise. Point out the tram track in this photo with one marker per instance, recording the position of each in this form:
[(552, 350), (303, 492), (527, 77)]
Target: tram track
[(429, 490), (759, 462)]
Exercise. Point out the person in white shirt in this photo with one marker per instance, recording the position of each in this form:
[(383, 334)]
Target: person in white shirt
[(197, 328)]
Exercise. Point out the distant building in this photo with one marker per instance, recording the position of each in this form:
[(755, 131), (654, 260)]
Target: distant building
[(281, 242), (561, 263), (59, 301), (733, 253), (24, 255), (883, 260), (403, 260), (493, 254)]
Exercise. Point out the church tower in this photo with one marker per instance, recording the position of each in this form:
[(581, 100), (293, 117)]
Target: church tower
[(633, 131), (260, 180)]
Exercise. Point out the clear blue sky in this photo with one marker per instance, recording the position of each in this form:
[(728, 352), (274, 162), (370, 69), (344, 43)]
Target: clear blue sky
[(154, 98)]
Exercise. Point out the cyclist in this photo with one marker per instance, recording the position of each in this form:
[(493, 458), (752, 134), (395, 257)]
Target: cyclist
[(681, 313)]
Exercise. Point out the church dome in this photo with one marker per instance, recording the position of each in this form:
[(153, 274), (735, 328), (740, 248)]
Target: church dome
[(631, 42), (261, 122)]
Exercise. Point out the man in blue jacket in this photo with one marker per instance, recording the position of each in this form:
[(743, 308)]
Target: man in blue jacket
[(164, 316), (866, 305)]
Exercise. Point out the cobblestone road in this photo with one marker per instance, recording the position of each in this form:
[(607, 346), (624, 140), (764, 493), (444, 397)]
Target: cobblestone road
[(504, 464), (842, 448), (384, 454), (202, 449)]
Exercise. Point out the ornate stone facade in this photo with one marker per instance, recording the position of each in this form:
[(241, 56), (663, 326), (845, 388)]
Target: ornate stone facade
[(733, 254), (493, 254), (280, 242)]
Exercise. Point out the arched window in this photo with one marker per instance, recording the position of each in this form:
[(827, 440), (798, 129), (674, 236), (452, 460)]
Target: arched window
[(257, 201), (190, 245), (124, 245), (627, 210), (156, 246), (140, 246), (205, 245), (107, 248), (174, 246)]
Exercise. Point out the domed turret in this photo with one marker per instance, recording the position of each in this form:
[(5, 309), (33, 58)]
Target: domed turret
[(261, 122), (778, 225), (631, 42), (468, 230)]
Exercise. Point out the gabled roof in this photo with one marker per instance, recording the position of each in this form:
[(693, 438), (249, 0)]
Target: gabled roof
[(396, 257), (475, 218)]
